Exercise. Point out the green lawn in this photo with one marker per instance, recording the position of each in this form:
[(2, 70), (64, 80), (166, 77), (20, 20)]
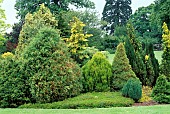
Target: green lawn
[(159, 109), (110, 57), (158, 55)]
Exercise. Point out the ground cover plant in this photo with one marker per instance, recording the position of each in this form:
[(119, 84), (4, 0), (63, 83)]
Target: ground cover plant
[(88, 100)]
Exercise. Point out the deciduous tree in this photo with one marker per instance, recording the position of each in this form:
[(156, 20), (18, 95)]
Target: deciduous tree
[(29, 6)]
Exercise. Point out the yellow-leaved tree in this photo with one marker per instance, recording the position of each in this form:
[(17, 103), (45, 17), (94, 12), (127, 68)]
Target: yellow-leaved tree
[(165, 64), (77, 42)]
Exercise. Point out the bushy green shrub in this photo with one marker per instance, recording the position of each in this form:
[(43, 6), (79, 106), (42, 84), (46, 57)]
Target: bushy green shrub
[(52, 73), (14, 90), (121, 69), (161, 91), (96, 73), (132, 89)]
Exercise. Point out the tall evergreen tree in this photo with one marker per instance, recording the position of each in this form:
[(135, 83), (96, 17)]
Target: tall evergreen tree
[(152, 63), (116, 13), (165, 64), (135, 54)]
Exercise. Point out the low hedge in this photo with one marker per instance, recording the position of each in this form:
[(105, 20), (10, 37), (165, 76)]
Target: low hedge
[(88, 100)]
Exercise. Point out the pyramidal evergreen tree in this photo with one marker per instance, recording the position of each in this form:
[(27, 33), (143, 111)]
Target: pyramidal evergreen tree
[(116, 13), (53, 75), (161, 91), (121, 69), (165, 64), (33, 23)]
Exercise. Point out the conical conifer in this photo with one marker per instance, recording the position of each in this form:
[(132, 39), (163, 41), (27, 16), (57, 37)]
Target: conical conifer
[(121, 69)]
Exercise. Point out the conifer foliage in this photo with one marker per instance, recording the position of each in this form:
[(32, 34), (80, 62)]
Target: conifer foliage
[(13, 83), (132, 89), (116, 13), (135, 54), (77, 43), (152, 65), (161, 91), (121, 69), (53, 74), (165, 64), (97, 73), (33, 23)]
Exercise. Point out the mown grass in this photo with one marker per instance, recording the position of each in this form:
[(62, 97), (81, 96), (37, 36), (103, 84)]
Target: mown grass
[(88, 100), (158, 55), (158, 109)]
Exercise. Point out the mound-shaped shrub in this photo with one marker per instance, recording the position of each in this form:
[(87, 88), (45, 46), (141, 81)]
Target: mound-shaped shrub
[(132, 89), (161, 91), (13, 88), (121, 69), (96, 73), (53, 74), (146, 94)]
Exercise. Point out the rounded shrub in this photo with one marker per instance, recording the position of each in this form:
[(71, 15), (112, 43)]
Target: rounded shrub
[(53, 75), (146, 94), (96, 73), (14, 90), (132, 89), (161, 91)]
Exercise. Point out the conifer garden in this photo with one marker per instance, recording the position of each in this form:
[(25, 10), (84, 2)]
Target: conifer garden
[(49, 70)]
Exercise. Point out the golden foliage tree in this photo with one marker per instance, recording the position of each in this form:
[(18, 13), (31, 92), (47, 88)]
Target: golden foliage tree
[(77, 42), (165, 64)]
